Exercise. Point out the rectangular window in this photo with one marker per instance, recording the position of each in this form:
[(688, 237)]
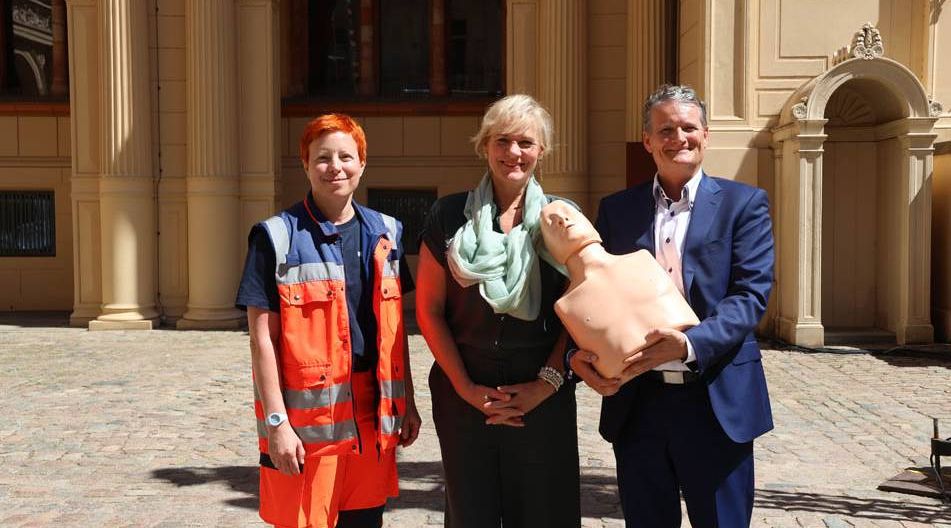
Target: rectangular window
[(404, 49), (27, 224), (361, 55), (474, 45), (333, 46), (33, 55), (408, 206)]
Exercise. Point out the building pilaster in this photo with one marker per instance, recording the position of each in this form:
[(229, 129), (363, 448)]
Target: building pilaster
[(84, 90), (562, 88), (212, 166), (126, 193), (646, 59)]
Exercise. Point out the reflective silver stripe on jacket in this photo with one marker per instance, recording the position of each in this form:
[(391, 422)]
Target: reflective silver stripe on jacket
[(317, 398), (277, 230), (311, 271), (327, 433), (392, 269), (391, 424), (392, 389), (319, 433)]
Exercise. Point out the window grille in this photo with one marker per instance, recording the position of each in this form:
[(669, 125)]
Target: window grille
[(408, 206), (27, 224)]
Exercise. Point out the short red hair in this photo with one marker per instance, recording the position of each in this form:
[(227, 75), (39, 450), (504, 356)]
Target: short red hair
[(328, 123)]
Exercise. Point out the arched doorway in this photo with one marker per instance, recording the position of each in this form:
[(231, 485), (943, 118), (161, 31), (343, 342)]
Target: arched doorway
[(860, 183), (853, 199)]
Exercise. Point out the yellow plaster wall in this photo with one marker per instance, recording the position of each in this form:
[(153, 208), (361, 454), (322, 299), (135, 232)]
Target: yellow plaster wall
[(607, 77), (890, 204), (34, 155), (167, 51), (791, 42), (849, 229)]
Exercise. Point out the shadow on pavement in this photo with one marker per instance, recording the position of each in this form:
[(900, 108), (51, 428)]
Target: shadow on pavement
[(421, 486), (879, 509), (243, 479), (933, 355)]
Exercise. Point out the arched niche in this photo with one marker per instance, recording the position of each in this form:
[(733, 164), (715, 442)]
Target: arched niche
[(853, 151)]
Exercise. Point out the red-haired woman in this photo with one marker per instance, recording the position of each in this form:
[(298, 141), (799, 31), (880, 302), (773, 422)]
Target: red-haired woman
[(333, 394)]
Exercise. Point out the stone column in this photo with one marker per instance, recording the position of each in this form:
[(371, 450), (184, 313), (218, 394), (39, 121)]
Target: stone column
[(60, 66), (212, 166), (646, 58), (126, 193), (562, 88), (800, 230), (914, 310)]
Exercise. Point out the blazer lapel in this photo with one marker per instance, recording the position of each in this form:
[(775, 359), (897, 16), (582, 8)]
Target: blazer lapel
[(702, 216), (645, 211)]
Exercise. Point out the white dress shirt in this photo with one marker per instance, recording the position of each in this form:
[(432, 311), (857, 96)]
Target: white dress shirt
[(671, 219)]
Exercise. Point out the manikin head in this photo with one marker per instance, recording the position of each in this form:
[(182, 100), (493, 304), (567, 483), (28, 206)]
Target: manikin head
[(565, 230)]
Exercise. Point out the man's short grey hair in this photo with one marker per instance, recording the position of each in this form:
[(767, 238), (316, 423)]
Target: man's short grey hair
[(680, 93)]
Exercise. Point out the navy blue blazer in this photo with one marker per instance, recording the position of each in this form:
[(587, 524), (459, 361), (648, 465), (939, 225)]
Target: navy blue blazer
[(727, 267)]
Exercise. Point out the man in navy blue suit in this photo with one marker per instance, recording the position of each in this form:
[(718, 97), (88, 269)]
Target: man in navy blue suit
[(686, 423)]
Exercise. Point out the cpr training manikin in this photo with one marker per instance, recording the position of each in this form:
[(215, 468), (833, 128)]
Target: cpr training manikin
[(613, 301)]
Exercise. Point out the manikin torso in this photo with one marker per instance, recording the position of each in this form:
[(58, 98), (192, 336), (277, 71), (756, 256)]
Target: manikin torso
[(613, 300)]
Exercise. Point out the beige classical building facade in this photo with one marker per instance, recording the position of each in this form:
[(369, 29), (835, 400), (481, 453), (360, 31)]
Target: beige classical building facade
[(172, 146)]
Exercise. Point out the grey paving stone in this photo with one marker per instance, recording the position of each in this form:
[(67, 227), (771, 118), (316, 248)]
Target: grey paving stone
[(155, 429)]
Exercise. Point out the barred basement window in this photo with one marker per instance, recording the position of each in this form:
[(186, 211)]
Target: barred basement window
[(408, 206), (27, 224)]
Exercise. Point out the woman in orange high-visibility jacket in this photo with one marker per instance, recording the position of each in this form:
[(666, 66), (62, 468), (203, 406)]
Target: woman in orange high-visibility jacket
[(322, 286)]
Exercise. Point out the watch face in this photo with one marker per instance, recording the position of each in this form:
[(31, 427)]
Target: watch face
[(275, 419)]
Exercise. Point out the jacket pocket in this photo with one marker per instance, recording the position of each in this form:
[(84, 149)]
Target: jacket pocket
[(309, 314)]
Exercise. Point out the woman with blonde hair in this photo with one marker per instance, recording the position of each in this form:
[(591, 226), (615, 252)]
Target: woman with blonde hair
[(505, 419)]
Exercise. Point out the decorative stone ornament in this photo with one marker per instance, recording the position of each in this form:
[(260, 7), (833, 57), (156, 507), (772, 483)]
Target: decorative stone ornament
[(799, 109), (867, 43), (934, 108)]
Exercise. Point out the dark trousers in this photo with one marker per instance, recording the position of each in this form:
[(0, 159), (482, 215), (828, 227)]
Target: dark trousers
[(674, 444), (498, 475)]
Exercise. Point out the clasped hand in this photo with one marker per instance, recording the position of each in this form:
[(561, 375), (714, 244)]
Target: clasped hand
[(666, 344), (508, 404)]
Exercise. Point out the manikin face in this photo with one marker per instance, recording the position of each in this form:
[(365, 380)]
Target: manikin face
[(565, 230), (333, 165)]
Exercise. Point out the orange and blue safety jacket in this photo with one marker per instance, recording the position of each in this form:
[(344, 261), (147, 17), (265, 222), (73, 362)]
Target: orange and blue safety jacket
[(314, 354)]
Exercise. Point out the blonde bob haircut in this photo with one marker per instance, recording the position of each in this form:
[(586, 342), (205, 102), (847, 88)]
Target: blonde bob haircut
[(515, 114)]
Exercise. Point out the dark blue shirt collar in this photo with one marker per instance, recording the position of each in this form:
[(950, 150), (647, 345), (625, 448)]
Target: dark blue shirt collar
[(372, 224)]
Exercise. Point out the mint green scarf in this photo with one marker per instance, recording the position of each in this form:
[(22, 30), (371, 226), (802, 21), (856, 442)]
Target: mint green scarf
[(504, 265)]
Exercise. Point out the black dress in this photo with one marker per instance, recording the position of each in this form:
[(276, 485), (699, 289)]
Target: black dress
[(497, 474)]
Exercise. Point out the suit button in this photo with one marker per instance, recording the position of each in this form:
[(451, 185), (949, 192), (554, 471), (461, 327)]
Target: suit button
[(297, 297)]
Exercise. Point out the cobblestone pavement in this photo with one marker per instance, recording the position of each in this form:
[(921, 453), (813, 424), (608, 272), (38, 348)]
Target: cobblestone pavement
[(154, 429)]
